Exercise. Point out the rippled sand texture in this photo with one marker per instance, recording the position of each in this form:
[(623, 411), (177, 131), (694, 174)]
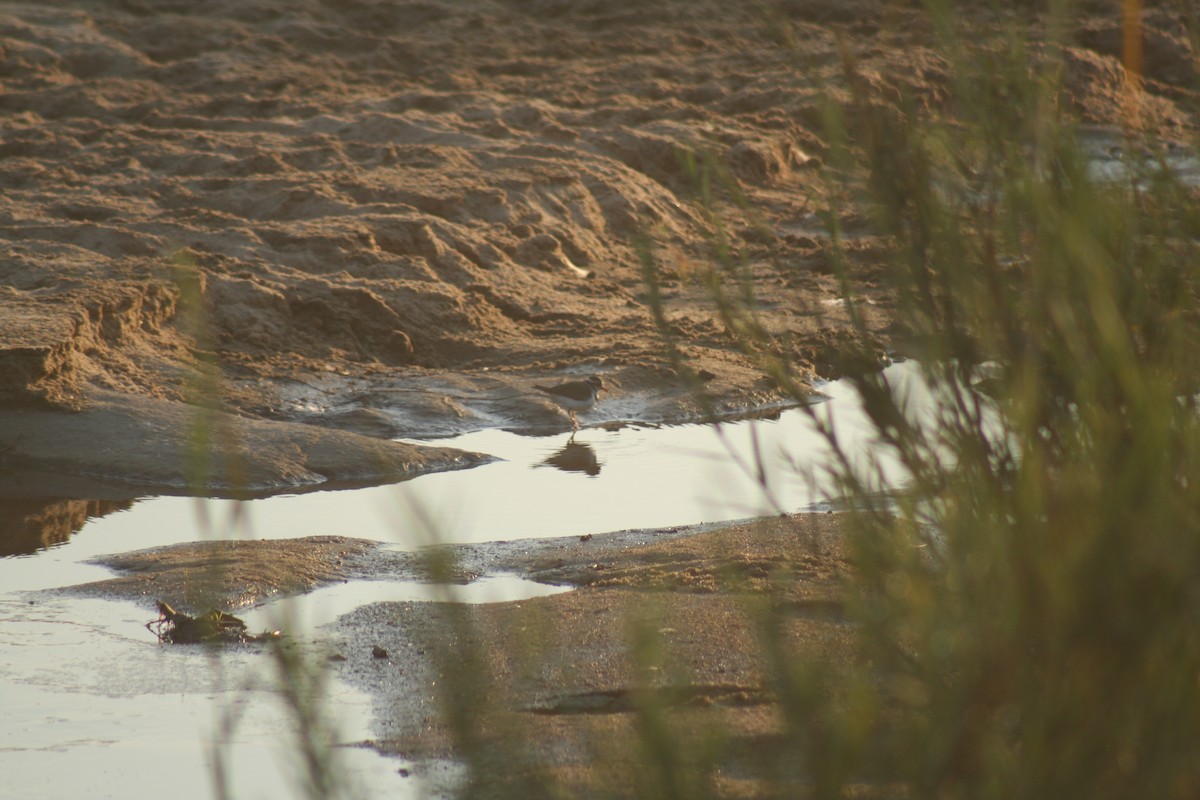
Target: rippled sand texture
[(385, 199)]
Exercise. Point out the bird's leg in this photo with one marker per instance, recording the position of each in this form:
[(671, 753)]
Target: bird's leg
[(574, 421)]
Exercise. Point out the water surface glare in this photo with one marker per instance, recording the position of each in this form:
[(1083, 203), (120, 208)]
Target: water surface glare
[(599, 480)]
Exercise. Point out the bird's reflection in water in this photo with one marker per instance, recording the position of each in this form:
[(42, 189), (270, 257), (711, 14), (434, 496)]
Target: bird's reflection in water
[(575, 457)]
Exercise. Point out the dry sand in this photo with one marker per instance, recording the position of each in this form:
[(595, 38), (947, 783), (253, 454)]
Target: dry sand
[(394, 217)]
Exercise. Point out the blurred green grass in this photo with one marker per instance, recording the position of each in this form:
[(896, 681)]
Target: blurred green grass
[(1027, 610)]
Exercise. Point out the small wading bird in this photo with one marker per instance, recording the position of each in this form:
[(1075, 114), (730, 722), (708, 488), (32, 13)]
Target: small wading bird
[(574, 395)]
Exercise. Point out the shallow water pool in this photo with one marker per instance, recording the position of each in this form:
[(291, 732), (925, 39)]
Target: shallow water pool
[(94, 706)]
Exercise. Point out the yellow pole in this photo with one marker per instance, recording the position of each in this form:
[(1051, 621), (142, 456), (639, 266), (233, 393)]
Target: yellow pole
[(1131, 57)]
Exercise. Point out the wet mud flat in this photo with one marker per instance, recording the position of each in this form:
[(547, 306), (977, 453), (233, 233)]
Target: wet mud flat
[(163, 446), (551, 684)]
